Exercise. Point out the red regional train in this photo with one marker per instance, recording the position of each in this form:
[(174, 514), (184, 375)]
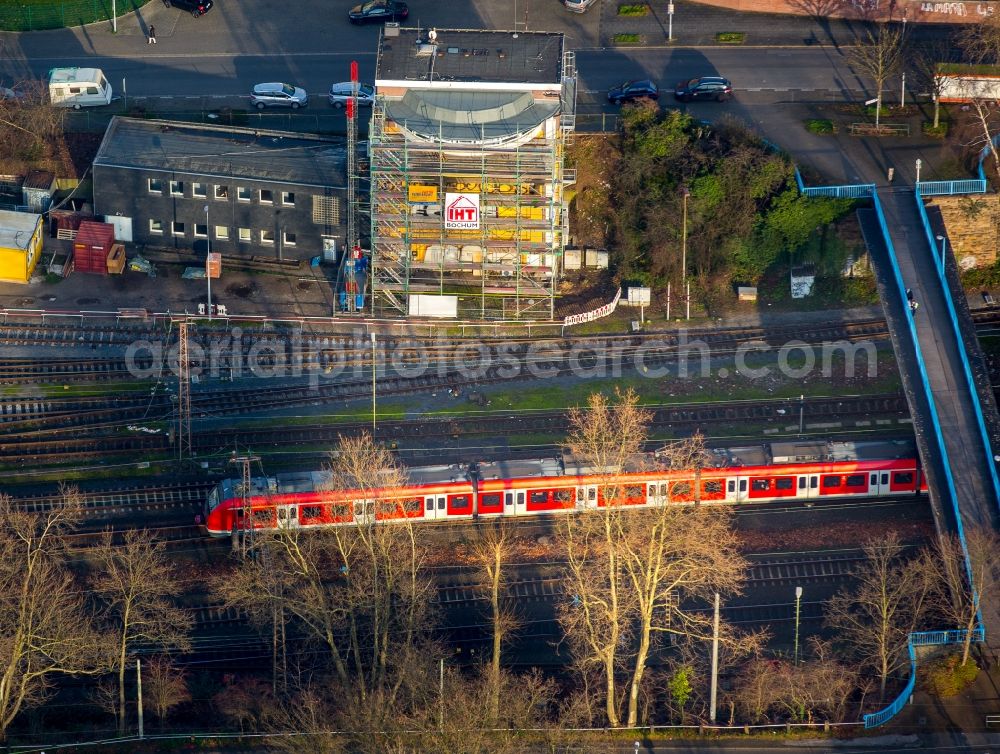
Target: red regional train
[(805, 470)]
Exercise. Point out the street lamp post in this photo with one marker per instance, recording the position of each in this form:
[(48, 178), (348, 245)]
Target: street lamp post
[(208, 256), (919, 165), (942, 251), (670, 22), (373, 385), (798, 602)]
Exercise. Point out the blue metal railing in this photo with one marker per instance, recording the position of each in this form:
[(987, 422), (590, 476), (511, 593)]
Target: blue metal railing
[(852, 191), (922, 639), (950, 188), (970, 381)]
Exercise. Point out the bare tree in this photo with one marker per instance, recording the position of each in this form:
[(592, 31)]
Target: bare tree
[(46, 630), (136, 585), (28, 123), (981, 41), (359, 591), (490, 554), (986, 122), (925, 60), (632, 571), (874, 616), (965, 583), (164, 686), (880, 57), (245, 701), (304, 725)]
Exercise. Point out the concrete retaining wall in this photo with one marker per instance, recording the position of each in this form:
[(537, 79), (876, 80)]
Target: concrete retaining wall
[(923, 11)]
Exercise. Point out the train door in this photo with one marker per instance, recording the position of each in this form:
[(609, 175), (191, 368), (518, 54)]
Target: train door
[(288, 516), (586, 496), (878, 483), (802, 486), (656, 493), (742, 485), (364, 511), (435, 506)]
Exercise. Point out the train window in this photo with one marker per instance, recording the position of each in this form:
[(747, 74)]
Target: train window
[(731, 485), (784, 483), (460, 501), (440, 503), (813, 482), (262, 516), (902, 477), (340, 511), (743, 485), (282, 514), (874, 479), (831, 481), (563, 496), (663, 490), (310, 512), (490, 499), (760, 485), (430, 503), (633, 492), (713, 487), (592, 494), (539, 496), (885, 479), (855, 480), (652, 490), (509, 499), (386, 508), (680, 489), (802, 482), (611, 493), (411, 506)]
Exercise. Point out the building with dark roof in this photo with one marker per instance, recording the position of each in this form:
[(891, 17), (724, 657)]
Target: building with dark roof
[(467, 147), (266, 192)]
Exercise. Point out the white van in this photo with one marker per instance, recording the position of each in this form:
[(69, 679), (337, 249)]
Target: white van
[(78, 87), (578, 6)]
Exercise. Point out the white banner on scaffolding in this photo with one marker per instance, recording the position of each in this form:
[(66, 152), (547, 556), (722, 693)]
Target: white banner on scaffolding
[(601, 311)]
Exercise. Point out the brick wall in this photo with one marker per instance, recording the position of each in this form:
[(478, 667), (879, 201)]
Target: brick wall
[(914, 10), (972, 224)]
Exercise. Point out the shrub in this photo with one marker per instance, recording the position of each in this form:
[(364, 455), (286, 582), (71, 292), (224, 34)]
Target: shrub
[(946, 677), (730, 37), (627, 39), (938, 133), (820, 126), (635, 9)]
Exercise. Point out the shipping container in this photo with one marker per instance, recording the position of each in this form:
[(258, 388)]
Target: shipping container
[(92, 247)]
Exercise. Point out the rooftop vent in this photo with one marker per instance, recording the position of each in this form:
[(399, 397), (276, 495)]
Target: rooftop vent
[(425, 50), (392, 29)]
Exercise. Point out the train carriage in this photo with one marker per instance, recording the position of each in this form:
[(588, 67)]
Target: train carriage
[(805, 470)]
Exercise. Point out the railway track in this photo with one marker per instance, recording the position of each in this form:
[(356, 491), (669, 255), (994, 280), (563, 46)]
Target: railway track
[(27, 447)]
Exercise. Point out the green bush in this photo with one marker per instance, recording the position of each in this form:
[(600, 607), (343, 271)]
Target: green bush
[(946, 677), (627, 39), (730, 37), (938, 132), (820, 126), (635, 9)]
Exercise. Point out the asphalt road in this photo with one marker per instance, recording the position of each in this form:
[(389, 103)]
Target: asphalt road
[(311, 44)]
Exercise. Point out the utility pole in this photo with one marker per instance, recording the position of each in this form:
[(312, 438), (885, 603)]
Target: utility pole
[(798, 602), (183, 393), (352, 181), (246, 539), (441, 697), (715, 661), (374, 370), (138, 686)]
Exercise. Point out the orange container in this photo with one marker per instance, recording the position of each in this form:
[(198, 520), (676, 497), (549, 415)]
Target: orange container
[(214, 266)]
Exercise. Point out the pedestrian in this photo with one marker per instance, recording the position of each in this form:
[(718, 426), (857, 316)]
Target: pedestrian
[(152, 35)]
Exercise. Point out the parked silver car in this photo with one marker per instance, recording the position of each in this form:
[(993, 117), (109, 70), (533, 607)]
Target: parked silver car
[(340, 93), (278, 95)]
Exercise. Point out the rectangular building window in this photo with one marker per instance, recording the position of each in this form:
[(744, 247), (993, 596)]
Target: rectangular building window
[(177, 188), (326, 210), (177, 228), (266, 196), (243, 194), (222, 232), (155, 186), (222, 192), (199, 190), (288, 198), (200, 231), (288, 238), (267, 236), (156, 226), (245, 235)]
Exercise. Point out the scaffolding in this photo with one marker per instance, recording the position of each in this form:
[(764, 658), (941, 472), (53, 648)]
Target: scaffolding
[(507, 268)]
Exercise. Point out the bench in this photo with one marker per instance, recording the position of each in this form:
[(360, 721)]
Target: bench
[(883, 129), (992, 720)]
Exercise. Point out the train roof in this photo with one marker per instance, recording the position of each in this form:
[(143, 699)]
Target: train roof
[(540, 467)]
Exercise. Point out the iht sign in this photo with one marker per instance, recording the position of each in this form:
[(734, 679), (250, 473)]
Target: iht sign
[(461, 211)]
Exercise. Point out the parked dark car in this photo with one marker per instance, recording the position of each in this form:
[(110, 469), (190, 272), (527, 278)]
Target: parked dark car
[(378, 11), (633, 90), (196, 7), (705, 87)]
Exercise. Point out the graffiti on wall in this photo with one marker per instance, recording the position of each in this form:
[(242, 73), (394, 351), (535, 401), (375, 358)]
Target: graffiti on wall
[(957, 9)]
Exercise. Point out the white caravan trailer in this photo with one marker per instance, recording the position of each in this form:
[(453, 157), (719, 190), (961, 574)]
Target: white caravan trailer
[(78, 87)]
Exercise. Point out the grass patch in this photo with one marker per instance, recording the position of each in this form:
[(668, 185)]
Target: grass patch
[(633, 9), (35, 15), (959, 68), (627, 39), (730, 37), (820, 126), (938, 132)]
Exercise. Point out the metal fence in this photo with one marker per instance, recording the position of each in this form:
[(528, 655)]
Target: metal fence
[(34, 15), (922, 639), (847, 191), (950, 188)]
